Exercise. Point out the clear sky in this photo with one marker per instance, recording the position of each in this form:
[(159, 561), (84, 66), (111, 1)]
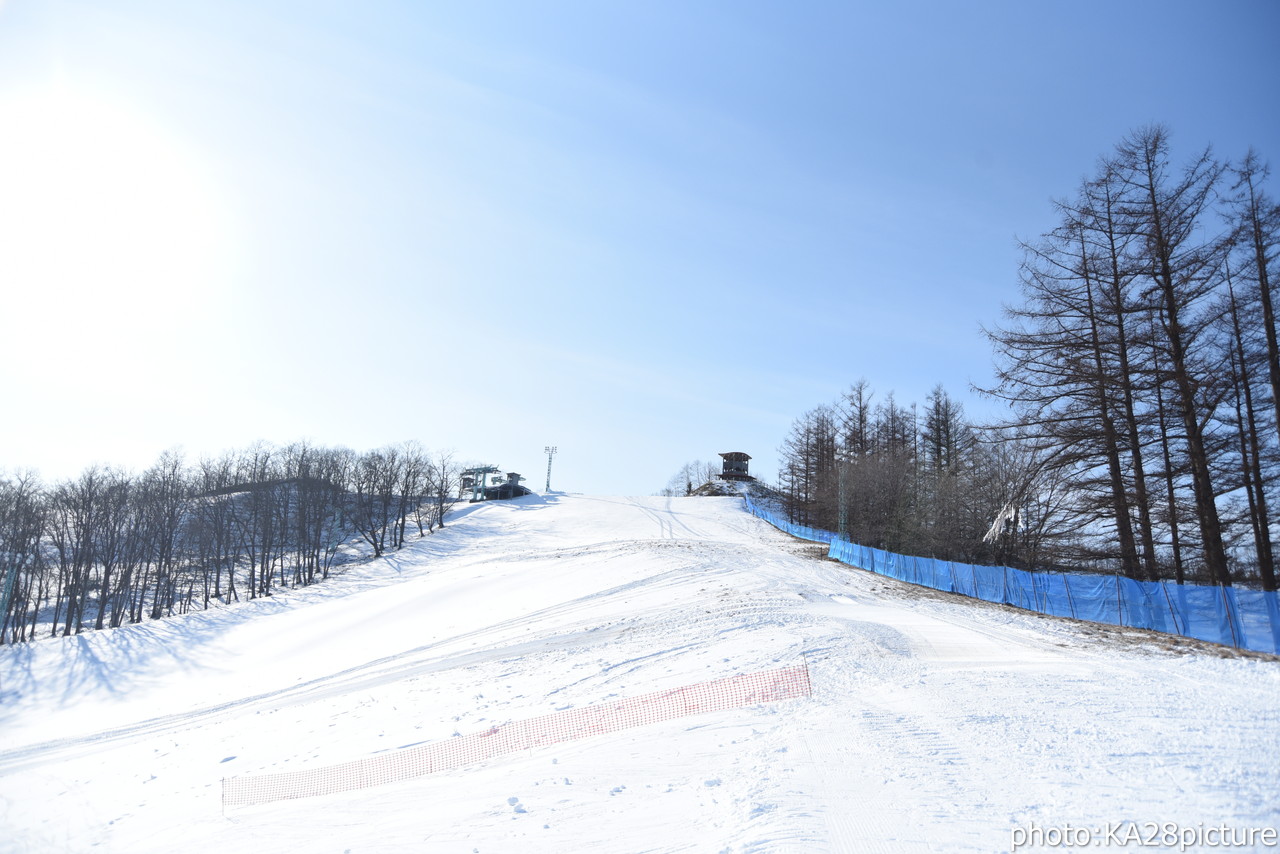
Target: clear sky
[(643, 232)]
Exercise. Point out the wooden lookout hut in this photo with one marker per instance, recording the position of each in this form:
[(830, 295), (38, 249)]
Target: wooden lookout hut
[(735, 466)]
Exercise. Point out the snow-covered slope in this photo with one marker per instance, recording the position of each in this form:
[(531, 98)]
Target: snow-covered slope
[(936, 724)]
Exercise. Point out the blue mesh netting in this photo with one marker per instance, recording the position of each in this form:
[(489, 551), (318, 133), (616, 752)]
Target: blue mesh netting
[(1249, 619)]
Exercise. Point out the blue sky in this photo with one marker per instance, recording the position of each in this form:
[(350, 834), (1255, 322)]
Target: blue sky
[(643, 232)]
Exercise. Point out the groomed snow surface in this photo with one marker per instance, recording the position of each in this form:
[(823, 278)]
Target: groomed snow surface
[(936, 723)]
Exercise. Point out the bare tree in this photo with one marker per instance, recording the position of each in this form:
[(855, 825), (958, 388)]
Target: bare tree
[(444, 478), (690, 476), (1164, 212), (1257, 221), (23, 517)]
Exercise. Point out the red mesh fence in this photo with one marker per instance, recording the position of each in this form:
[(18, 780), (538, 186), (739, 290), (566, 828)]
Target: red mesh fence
[(731, 693)]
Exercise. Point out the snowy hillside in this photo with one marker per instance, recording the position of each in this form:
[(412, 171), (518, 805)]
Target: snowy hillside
[(935, 724)]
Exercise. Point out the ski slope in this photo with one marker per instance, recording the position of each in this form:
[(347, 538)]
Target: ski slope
[(935, 724)]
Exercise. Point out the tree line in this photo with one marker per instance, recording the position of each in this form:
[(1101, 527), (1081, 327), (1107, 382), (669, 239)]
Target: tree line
[(109, 547), (690, 476), (910, 479), (1142, 375)]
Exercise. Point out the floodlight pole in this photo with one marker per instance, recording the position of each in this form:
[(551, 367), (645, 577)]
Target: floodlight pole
[(550, 451)]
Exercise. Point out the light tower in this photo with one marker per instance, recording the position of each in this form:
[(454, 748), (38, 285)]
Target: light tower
[(550, 451)]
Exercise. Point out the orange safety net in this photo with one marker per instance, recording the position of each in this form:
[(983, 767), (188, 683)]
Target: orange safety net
[(718, 695)]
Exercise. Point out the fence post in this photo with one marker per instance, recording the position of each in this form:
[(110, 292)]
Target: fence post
[(1273, 617), (1119, 602), (1231, 621), (1173, 611)]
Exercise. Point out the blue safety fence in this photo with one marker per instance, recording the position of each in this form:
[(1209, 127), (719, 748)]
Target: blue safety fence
[(1248, 619)]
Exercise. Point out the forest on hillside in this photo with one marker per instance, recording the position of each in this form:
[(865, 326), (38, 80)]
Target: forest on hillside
[(108, 547), (1141, 373)]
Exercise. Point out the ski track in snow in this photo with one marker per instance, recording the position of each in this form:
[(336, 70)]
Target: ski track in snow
[(936, 723)]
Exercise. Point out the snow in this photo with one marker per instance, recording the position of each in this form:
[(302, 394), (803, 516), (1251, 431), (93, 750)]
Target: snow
[(936, 723)]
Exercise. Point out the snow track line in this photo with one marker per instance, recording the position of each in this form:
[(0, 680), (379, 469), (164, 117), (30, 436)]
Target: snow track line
[(864, 819), (369, 674), (342, 682)]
